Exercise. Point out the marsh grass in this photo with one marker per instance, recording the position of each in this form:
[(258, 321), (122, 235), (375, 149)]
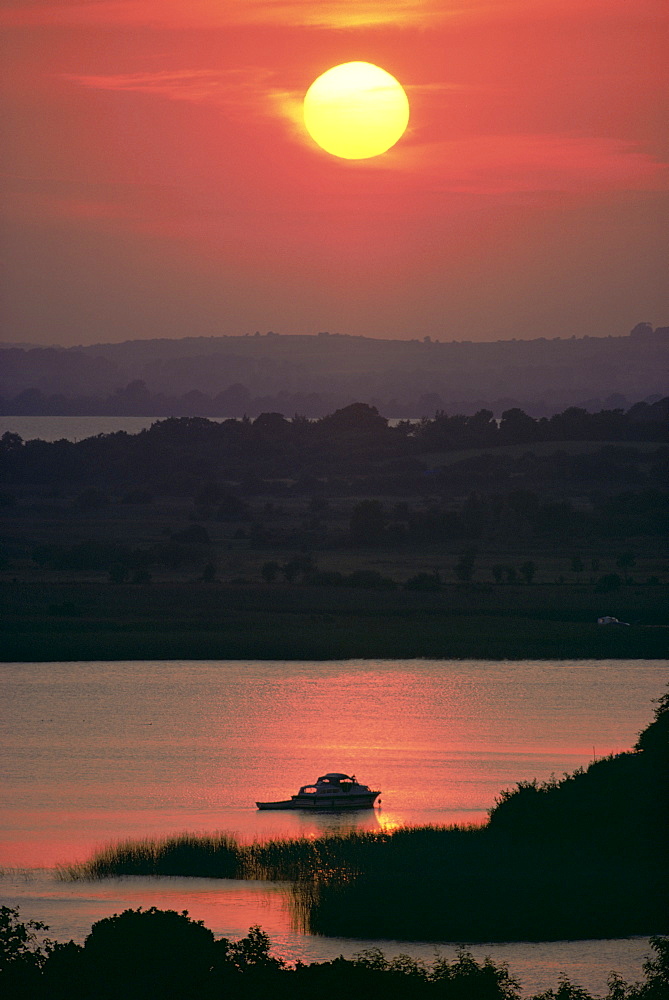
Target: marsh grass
[(330, 858), (213, 856), (424, 883)]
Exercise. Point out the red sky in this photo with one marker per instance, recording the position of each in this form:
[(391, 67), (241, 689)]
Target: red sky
[(158, 180)]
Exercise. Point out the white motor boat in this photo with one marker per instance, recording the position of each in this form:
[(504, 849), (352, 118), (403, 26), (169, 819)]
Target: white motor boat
[(331, 791)]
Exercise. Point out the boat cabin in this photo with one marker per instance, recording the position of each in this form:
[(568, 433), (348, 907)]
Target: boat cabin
[(332, 782)]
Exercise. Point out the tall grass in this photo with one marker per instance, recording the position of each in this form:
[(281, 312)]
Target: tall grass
[(333, 857)]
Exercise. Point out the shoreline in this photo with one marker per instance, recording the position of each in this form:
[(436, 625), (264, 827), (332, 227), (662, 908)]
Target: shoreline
[(68, 621), (156, 643)]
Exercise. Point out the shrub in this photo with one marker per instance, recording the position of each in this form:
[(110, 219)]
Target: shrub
[(424, 582), (369, 579), (196, 534)]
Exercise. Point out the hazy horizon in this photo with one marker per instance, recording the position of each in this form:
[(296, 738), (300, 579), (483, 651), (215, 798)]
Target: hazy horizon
[(123, 339)]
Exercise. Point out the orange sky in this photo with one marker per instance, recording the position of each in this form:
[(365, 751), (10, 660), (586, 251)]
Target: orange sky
[(158, 180)]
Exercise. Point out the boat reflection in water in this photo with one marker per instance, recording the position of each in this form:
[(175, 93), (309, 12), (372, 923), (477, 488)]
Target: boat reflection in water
[(332, 791)]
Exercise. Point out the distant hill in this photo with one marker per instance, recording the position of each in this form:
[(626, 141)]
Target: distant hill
[(313, 375)]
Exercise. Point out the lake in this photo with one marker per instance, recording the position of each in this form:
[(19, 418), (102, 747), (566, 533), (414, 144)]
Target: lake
[(74, 428), (97, 752), (49, 428)]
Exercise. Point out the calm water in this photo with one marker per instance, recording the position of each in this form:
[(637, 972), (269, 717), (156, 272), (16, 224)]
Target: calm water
[(78, 428), (74, 428), (94, 752)]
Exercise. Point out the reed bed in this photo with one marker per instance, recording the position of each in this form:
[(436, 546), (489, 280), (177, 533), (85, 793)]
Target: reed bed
[(333, 857)]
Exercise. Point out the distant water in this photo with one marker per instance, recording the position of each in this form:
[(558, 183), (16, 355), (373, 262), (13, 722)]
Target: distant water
[(74, 428), (78, 428), (97, 752)]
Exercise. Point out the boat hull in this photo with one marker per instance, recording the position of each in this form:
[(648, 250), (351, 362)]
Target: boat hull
[(324, 803)]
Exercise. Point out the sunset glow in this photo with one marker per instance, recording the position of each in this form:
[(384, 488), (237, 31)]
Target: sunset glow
[(161, 179)]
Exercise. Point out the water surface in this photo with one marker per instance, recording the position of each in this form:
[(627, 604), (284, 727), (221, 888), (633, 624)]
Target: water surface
[(96, 752), (49, 428)]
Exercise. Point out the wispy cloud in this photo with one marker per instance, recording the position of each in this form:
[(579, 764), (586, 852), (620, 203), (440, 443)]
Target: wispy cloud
[(534, 163), (303, 13), (195, 85), (226, 13)]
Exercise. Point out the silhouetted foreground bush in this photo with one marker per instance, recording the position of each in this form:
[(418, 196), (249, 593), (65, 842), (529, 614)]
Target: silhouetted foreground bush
[(581, 857), (164, 955)]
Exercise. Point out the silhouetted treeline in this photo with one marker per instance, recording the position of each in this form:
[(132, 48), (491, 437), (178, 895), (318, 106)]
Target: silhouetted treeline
[(164, 955), (314, 375), (352, 442)]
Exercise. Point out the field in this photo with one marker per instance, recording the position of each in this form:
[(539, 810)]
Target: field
[(273, 568), (88, 620)]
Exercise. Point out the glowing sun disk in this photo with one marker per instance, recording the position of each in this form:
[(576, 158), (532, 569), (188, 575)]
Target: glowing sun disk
[(356, 110)]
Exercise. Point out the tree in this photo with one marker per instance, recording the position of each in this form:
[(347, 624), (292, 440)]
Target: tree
[(367, 524), (195, 534), (21, 943), (656, 986), (527, 571), (577, 564), (142, 953), (424, 582), (498, 572), (359, 418), (23, 954), (298, 566), (232, 508), (467, 978), (625, 562), (118, 573), (473, 516), (464, 568), (10, 443), (250, 952), (482, 429), (270, 571), (516, 427)]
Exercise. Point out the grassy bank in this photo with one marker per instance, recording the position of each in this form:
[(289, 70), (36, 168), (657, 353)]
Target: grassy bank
[(423, 883), (337, 857), (89, 621)]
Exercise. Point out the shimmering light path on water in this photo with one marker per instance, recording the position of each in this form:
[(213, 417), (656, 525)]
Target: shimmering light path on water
[(94, 752), (97, 752)]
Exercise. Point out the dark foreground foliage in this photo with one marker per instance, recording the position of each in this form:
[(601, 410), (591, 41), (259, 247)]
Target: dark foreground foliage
[(584, 856), (164, 955)]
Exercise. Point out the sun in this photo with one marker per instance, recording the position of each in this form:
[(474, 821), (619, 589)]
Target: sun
[(356, 110)]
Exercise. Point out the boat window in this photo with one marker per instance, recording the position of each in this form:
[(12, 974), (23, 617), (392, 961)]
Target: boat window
[(309, 790)]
